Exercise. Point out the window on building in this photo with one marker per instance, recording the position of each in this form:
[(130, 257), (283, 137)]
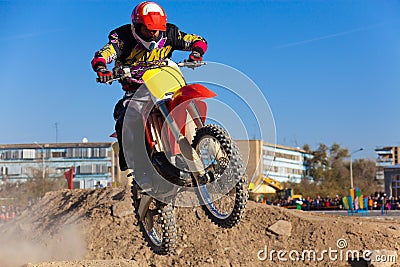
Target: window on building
[(11, 154), (86, 152), (58, 154), (3, 170), (14, 170), (92, 169), (28, 153)]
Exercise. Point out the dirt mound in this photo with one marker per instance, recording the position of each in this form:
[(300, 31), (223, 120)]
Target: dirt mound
[(97, 228)]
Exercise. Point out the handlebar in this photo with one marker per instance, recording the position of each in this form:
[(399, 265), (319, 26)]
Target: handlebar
[(191, 64), (119, 74), (109, 82), (124, 72)]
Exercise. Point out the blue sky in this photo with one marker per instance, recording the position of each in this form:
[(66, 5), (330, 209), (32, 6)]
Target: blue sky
[(330, 70)]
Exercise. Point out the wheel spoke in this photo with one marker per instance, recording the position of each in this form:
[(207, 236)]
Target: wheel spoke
[(212, 155), (158, 226), (216, 162), (224, 197)]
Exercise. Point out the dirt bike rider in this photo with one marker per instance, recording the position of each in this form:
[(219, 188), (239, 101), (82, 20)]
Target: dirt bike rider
[(148, 39)]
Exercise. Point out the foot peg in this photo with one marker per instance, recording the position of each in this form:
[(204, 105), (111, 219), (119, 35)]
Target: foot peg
[(205, 179)]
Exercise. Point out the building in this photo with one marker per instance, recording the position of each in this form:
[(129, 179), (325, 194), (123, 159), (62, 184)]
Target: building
[(386, 156), (392, 180), (282, 163), (388, 169), (96, 164)]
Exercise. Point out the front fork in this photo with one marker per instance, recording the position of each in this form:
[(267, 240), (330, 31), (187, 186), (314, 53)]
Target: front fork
[(189, 153), (144, 201)]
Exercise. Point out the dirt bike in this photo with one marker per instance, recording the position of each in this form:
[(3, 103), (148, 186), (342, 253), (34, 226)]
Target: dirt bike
[(187, 153)]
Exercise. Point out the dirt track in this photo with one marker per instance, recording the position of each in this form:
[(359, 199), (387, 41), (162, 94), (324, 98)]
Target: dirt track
[(95, 228)]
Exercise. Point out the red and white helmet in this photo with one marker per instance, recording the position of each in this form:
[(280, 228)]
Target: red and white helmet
[(153, 16)]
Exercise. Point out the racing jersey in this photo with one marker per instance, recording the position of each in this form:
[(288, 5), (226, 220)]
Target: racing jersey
[(125, 50)]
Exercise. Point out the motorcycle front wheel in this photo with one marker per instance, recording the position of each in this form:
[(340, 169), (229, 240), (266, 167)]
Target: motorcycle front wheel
[(224, 195), (157, 225)]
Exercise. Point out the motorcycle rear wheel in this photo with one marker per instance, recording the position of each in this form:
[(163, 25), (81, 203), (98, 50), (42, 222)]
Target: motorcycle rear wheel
[(224, 199), (158, 226)]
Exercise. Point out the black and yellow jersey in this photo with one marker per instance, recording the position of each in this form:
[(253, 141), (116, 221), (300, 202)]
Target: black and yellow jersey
[(125, 50)]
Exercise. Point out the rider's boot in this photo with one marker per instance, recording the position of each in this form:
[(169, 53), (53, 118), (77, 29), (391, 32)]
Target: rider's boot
[(174, 173)]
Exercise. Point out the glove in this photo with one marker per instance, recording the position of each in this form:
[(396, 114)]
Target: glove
[(104, 75), (195, 56)]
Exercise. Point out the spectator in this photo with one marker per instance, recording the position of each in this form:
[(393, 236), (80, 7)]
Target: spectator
[(370, 203)]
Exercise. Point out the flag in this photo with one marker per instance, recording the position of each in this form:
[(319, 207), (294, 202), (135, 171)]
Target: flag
[(69, 175)]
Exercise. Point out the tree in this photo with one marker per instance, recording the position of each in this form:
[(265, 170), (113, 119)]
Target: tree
[(336, 173), (364, 176), (21, 194), (330, 173), (318, 162)]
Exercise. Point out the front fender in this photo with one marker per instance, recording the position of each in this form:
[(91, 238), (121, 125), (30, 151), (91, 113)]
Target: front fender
[(191, 92), (181, 99)]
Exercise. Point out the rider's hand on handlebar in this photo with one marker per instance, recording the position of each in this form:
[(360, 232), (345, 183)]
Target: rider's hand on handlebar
[(104, 75), (195, 57)]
